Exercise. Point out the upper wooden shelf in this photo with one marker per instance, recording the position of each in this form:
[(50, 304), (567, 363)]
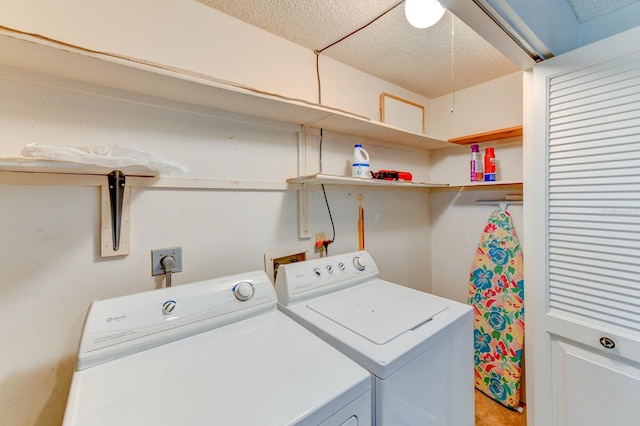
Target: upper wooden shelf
[(57, 64), (494, 135)]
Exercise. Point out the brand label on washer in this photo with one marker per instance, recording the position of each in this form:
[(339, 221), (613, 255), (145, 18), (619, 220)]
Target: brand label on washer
[(116, 319)]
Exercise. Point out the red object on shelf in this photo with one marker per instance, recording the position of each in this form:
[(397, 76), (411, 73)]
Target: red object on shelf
[(392, 175)]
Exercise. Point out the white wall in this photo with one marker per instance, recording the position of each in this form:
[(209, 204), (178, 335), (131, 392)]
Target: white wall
[(456, 221), (50, 234), (490, 106)]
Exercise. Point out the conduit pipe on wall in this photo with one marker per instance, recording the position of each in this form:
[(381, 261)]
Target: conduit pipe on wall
[(304, 194)]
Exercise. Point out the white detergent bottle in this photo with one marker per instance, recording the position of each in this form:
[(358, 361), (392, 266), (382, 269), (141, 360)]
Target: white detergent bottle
[(360, 165)]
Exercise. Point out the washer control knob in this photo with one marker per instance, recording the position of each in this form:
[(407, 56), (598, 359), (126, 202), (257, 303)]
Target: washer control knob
[(330, 269), (168, 307), (357, 262), (243, 290), (316, 272), (341, 266)]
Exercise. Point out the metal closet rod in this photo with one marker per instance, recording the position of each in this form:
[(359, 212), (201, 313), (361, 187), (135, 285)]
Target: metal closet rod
[(504, 204)]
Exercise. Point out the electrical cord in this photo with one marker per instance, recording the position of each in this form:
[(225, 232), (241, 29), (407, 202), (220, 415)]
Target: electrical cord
[(320, 150), (168, 262), (333, 228), (453, 87), (326, 243), (319, 51), (318, 76)]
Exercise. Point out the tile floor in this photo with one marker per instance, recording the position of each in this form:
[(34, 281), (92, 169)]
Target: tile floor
[(491, 413)]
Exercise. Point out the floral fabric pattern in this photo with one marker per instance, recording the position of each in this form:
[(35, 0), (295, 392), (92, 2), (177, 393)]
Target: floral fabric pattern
[(496, 292)]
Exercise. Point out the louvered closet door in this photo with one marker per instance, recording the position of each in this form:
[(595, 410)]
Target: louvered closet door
[(594, 195), (591, 338)]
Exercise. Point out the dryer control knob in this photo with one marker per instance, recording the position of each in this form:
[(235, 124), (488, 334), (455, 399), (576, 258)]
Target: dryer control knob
[(358, 263), (168, 307), (243, 290)]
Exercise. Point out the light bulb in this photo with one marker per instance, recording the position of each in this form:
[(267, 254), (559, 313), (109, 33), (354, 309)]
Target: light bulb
[(423, 13)]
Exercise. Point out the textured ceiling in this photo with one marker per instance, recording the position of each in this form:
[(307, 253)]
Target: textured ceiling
[(390, 48), (418, 60), (586, 10)]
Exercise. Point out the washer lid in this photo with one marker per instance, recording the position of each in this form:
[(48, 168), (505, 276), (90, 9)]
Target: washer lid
[(377, 312)]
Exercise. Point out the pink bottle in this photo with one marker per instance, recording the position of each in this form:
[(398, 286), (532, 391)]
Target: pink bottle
[(475, 164)]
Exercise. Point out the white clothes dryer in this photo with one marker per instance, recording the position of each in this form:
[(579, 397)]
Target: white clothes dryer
[(215, 352), (417, 346)]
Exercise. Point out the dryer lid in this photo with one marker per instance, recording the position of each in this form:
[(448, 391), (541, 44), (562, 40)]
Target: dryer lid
[(378, 312)]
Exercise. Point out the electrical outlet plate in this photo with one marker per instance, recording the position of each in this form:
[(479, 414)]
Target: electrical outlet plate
[(319, 239), (273, 259), (156, 259)]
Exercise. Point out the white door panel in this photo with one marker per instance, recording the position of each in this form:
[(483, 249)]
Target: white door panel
[(584, 269), (585, 381), (626, 349)]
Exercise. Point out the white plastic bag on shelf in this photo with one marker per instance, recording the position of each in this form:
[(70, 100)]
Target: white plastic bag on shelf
[(110, 156)]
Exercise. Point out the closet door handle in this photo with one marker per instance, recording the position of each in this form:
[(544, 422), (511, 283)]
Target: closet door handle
[(607, 342)]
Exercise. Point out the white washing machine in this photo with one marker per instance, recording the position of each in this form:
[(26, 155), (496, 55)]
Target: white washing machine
[(215, 352), (417, 346)]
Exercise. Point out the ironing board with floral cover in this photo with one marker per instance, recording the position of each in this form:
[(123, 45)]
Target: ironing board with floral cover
[(496, 291)]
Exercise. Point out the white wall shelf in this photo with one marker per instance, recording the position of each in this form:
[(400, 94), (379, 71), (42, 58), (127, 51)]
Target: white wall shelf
[(164, 85), (56, 64), (324, 179), (490, 186), (148, 182), (167, 86)]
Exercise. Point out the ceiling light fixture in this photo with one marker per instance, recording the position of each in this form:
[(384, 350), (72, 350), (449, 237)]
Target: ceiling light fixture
[(423, 13)]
